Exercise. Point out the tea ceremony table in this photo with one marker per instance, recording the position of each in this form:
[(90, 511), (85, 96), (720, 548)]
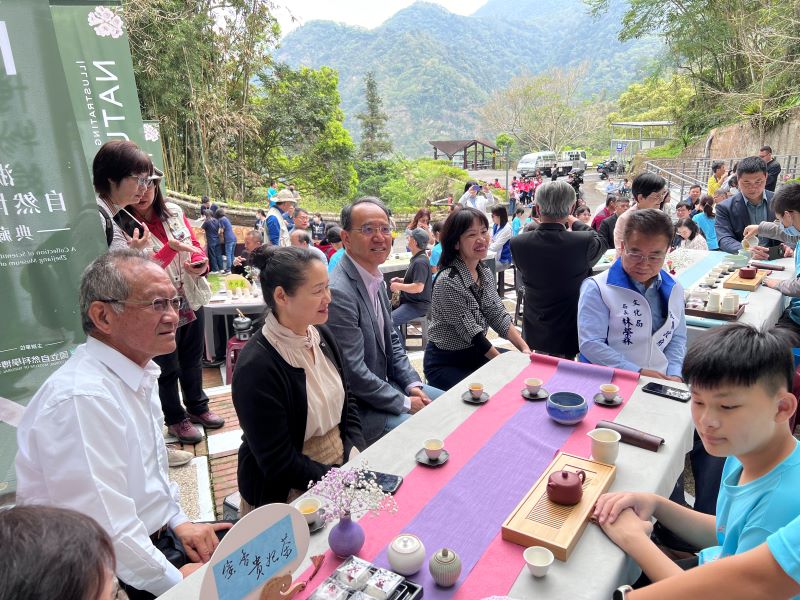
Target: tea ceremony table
[(497, 452)]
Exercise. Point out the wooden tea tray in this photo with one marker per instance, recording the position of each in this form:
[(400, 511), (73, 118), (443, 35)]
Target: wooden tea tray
[(536, 521), (735, 282), (701, 312)]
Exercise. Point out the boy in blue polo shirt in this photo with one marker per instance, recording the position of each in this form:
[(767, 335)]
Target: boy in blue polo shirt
[(739, 379)]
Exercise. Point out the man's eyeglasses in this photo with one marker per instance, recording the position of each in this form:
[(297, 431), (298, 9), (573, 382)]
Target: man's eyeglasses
[(157, 304), (369, 230), (636, 257)]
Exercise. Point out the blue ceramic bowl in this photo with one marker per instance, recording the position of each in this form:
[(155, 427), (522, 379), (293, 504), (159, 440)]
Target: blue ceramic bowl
[(567, 408)]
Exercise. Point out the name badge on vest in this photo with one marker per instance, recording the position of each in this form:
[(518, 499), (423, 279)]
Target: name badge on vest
[(178, 228)]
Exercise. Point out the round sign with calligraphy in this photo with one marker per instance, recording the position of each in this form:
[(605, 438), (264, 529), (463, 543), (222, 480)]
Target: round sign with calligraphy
[(266, 544)]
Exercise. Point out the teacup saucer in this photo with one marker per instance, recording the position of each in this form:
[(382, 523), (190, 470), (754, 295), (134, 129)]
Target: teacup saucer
[(423, 459), (601, 400), (467, 397), (542, 394), (319, 524)]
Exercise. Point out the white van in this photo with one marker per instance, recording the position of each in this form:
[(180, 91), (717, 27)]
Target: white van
[(541, 161)]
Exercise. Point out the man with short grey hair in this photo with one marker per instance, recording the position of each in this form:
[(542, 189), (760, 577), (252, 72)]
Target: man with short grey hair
[(553, 262), (301, 239), (90, 439), (252, 239), (388, 390)]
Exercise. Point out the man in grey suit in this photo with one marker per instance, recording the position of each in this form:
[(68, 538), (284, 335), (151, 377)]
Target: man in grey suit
[(387, 389)]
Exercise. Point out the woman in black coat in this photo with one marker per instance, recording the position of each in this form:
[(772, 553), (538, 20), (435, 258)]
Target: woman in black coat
[(289, 388)]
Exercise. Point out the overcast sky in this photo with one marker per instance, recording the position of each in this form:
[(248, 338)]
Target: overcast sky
[(366, 13)]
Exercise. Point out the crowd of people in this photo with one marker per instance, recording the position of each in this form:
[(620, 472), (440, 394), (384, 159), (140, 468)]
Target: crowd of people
[(327, 373)]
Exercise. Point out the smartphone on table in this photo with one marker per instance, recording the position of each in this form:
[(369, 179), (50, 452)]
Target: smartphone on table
[(665, 391), (386, 481)]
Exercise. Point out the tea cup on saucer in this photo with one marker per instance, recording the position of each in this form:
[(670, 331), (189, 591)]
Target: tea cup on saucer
[(433, 448)]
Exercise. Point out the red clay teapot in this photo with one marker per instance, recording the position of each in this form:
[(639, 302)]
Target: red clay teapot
[(565, 487)]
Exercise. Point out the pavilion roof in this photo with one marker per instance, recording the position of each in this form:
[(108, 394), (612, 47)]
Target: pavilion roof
[(451, 147)]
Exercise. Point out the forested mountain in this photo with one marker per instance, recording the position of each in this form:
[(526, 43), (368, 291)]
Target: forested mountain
[(435, 68)]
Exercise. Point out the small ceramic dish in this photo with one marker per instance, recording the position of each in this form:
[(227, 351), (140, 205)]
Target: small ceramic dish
[(542, 394), (467, 397), (423, 459), (602, 401)]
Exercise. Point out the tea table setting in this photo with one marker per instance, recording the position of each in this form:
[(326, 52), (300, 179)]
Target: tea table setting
[(498, 454)]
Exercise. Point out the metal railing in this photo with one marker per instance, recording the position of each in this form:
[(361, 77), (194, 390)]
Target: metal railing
[(699, 169), (676, 182), (681, 174)]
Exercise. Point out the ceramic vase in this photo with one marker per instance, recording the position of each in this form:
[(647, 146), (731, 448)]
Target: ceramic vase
[(346, 537)]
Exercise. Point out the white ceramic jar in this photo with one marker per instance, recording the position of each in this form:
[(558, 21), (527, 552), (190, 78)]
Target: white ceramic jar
[(406, 554)]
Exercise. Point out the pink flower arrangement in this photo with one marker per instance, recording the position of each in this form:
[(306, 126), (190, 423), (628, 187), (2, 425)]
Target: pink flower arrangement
[(351, 492)]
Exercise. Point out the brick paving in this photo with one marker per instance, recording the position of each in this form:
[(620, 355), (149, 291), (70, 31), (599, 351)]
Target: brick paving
[(223, 478)]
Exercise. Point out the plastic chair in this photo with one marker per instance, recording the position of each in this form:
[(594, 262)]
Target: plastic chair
[(422, 324)]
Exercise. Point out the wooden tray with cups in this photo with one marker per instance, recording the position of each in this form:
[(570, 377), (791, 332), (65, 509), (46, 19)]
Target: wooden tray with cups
[(714, 304)]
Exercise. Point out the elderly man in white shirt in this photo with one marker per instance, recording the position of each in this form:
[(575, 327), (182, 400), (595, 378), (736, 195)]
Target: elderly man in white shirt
[(91, 440)]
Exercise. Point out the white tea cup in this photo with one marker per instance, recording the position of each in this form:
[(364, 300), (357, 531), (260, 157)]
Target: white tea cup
[(309, 508), (605, 445), (538, 559), (533, 385), (434, 448), (609, 391), (476, 389)]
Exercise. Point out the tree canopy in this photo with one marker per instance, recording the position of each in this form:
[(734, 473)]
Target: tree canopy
[(231, 118), (742, 56)]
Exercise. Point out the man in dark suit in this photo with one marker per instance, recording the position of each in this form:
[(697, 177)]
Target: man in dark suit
[(387, 389), (773, 167), (607, 226), (751, 206), (554, 262)]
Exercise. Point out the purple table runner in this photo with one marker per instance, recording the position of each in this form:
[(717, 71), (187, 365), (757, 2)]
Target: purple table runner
[(468, 512)]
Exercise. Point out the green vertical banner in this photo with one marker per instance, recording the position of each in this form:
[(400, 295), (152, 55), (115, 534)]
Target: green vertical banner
[(96, 59), (49, 227), (152, 143)]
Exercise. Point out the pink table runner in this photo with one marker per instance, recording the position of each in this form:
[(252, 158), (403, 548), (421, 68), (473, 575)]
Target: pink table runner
[(516, 441)]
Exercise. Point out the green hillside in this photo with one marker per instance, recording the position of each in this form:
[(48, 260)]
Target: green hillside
[(435, 68)]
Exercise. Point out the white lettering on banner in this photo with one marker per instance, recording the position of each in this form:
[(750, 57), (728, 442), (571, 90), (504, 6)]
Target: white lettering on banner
[(5, 176), (109, 75), (5, 50), (24, 233), (108, 96), (28, 204)]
